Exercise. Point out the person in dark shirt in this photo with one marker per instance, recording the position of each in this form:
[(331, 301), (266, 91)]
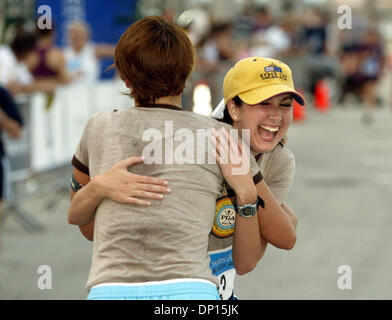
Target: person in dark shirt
[(364, 62), (48, 62), (11, 123)]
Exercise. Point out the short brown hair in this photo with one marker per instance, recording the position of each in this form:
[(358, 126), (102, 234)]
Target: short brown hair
[(155, 57)]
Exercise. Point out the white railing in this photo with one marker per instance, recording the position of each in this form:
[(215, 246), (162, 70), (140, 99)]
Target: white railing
[(56, 130)]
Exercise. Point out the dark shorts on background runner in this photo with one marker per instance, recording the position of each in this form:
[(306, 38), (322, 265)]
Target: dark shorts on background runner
[(5, 178)]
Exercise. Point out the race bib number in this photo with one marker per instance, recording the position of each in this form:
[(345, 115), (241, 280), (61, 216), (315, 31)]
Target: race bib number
[(223, 268)]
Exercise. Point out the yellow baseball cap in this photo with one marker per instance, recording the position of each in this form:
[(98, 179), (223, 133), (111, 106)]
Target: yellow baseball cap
[(256, 79)]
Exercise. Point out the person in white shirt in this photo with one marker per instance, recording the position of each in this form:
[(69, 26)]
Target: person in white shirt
[(15, 61), (82, 56), (12, 66)]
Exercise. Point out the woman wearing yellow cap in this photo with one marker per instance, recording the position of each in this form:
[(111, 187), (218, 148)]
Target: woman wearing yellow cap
[(258, 94)]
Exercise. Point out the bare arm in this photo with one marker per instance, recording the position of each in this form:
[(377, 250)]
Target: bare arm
[(248, 245), (276, 225), (271, 224), (104, 51), (87, 229), (290, 212), (246, 249), (58, 60), (116, 184), (41, 85), (10, 126), (84, 202)]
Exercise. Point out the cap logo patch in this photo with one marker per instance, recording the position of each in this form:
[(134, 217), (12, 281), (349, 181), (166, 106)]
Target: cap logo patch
[(272, 72)]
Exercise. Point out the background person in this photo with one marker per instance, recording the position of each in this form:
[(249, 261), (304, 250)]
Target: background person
[(14, 72), (363, 62), (83, 56), (10, 123), (15, 65), (48, 62)]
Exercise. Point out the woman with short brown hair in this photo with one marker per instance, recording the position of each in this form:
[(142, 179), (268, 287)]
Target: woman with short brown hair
[(139, 55)]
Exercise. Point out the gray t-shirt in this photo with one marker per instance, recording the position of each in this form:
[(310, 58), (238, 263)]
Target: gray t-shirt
[(169, 239)]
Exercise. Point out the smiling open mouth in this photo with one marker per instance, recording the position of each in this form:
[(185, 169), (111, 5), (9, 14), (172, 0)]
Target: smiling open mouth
[(268, 133)]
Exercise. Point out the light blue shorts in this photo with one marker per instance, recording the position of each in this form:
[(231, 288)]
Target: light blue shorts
[(177, 289)]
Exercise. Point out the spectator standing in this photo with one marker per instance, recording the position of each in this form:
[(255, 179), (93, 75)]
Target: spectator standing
[(16, 61), (14, 73), (48, 62), (82, 56), (10, 123)]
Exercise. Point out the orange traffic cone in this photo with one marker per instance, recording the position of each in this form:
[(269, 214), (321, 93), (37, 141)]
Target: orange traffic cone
[(322, 100), (299, 112)]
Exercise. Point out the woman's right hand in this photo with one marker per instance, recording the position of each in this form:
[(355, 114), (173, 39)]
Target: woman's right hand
[(119, 185), (234, 163)]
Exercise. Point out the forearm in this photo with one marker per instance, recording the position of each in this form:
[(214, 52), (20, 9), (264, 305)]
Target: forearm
[(291, 214), (104, 51), (84, 204), (64, 77), (10, 126), (87, 230), (248, 245), (42, 85), (276, 226)]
